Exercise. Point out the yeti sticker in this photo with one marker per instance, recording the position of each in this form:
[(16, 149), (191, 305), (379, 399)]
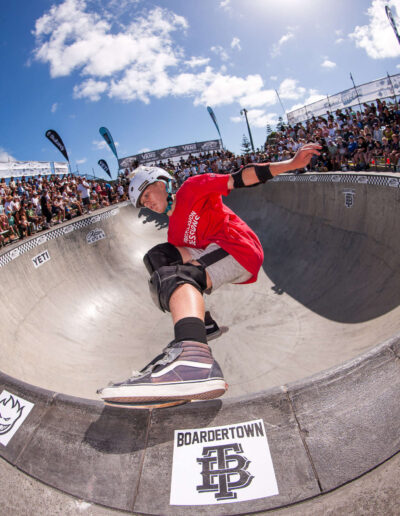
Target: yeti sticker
[(95, 235), (13, 412)]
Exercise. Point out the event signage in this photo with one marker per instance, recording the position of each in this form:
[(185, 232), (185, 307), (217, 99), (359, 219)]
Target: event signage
[(105, 133), (32, 168), (382, 88), (103, 164), (170, 152), (56, 140), (223, 464)]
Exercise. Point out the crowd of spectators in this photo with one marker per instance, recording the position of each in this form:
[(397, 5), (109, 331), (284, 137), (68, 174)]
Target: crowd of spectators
[(351, 140), (29, 205)]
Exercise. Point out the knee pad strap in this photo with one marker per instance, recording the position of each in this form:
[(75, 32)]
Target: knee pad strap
[(164, 281)]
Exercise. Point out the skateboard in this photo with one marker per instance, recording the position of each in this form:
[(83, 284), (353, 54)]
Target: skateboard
[(146, 405)]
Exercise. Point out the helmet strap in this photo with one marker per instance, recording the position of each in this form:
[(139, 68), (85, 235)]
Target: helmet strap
[(170, 199)]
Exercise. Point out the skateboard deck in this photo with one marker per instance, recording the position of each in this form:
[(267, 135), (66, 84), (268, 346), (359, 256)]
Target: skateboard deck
[(146, 405)]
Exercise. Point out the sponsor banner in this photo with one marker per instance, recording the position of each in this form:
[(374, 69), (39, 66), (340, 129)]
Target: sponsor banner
[(13, 412), (368, 92), (95, 235), (41, 259), (170, 152), (223, 464), (32, 168)]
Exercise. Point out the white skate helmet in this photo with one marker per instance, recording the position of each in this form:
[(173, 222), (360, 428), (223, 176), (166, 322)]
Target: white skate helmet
[(145, 176)]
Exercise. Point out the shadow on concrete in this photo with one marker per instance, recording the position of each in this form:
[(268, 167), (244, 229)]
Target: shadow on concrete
[(160, 220), (116, 430)]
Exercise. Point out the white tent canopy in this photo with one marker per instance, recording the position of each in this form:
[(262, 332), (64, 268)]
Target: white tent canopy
[(32, 168)]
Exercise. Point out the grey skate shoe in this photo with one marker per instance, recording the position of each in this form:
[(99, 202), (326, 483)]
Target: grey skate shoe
[(185, 370)]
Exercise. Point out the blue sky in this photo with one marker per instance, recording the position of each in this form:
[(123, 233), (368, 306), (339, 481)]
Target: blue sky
[(148, 69)]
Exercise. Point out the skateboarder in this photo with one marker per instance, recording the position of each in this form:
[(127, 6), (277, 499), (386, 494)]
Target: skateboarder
[(208, 246)]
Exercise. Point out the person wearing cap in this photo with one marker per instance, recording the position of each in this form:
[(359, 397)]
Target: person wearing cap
[(208, 246)]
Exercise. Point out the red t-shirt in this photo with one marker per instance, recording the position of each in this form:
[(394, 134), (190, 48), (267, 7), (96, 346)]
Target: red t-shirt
[(200, 218)]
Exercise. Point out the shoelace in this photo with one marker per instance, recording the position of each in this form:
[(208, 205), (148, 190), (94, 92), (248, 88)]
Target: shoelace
[(168, 355)]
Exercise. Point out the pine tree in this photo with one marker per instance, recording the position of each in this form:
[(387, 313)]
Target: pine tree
[(245, 145)]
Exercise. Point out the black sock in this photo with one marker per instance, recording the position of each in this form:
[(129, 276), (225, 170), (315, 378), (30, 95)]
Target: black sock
[(190, 328)]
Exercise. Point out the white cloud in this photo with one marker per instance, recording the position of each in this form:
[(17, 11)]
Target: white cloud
[(276, 48), (193, 62), (5, 156), (274, 78), (339, 40), (101, 145), (54, 107), (313, 96), (235, 43), (225, 4), (259, 98), (289, 89), (257, 118), (81, 161), (220, 51), (142, 60), (69, 38), (378, 38), (90, 89), (328, 64)]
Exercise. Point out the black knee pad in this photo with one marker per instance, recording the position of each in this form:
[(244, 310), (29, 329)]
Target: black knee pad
[(161, 255), (165, 280)]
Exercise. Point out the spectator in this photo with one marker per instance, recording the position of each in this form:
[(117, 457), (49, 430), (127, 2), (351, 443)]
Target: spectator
[(84, 193)]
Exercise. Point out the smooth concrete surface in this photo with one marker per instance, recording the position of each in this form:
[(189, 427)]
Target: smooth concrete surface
[(328, 291), (328, 297)]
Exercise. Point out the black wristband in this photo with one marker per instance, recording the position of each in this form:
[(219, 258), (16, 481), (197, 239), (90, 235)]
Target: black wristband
[(263, 172), (238, 179)]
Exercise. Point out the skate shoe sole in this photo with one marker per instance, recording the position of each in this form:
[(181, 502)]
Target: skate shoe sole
[(202, 390), (214, 335)]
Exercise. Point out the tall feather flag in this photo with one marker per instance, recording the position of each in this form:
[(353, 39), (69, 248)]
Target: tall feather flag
[(56, 140), (214, 119), (105, 133), (390, 16), (103, 164)]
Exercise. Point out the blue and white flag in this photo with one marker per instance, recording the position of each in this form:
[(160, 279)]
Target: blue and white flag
[(105, 133), (214, 119)]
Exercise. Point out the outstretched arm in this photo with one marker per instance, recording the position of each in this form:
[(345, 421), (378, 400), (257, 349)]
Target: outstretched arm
[(300, 160)]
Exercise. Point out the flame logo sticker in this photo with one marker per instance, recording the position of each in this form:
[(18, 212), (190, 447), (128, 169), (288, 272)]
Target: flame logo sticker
[(13, 412)]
